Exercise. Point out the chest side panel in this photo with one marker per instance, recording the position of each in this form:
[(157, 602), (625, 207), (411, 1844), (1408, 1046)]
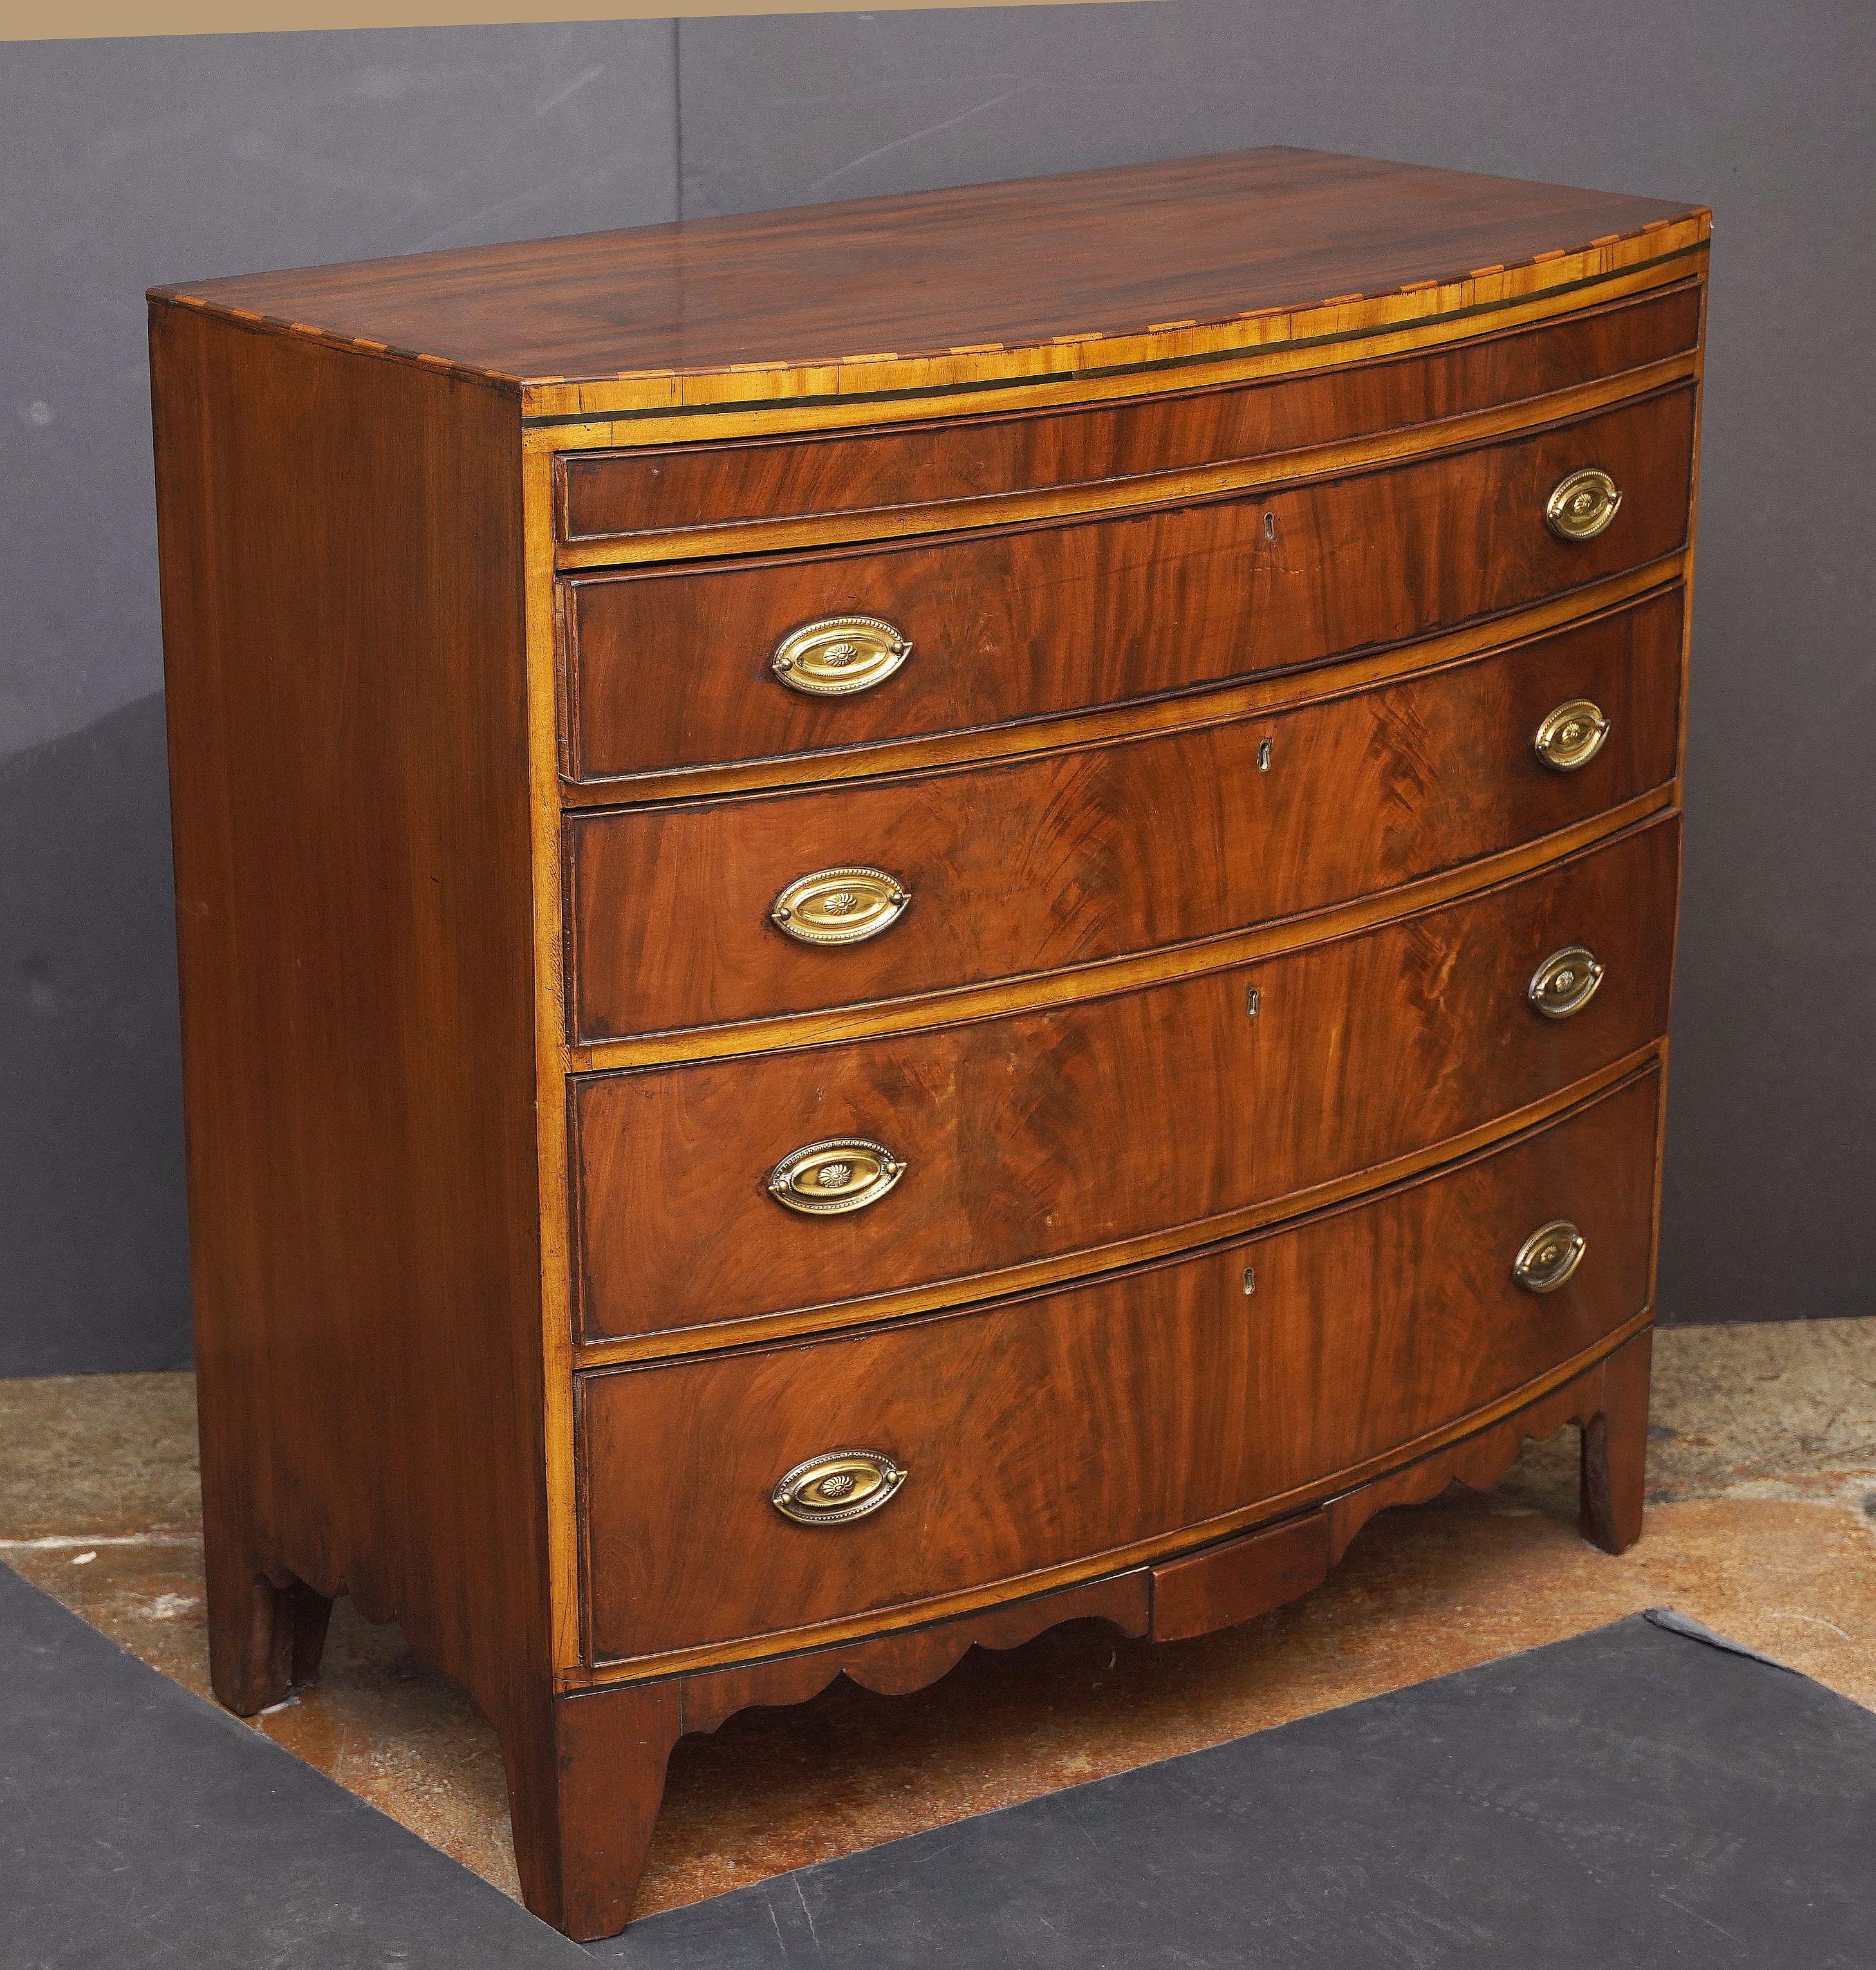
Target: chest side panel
[(341, 583)]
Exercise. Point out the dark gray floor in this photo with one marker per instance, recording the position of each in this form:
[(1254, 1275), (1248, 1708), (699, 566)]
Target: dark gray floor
[(1634, 1797), (141, 1829), (1639, 1796)]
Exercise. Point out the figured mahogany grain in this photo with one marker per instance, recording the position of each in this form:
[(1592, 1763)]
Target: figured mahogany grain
[(672, 668), (1019, 262), (1248, 1575), (678, 489), (1061, 859), (1085, 1420), (1041, 1133)]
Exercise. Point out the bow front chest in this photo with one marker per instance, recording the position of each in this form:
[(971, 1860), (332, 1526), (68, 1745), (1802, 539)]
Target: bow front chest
[(913, 918)]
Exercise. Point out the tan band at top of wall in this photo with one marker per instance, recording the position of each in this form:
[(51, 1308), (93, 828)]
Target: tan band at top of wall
[(92, 20)]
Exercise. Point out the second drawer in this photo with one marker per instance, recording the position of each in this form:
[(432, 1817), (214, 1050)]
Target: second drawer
[(1073, 1130), (672, 667), (1072, 857)]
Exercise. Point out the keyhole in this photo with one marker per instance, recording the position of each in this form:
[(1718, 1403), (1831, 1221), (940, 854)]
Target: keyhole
[(1250, 1280), (1263, 756), (1269, 526)]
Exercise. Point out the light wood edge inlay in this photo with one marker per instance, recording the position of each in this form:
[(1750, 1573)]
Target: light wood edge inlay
[(552, 1149), (626, 409), (1693, 517), (1273, 692), (1265, 363), (1125, 972), (1680, 766), (946, 1295), (1266, 471), (1117, 1559)]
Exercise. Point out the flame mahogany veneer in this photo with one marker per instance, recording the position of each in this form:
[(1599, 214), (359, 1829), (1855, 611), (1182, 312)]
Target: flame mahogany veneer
[(1219, 1179), (671, 666), (1040, 862), (1181, 1109)]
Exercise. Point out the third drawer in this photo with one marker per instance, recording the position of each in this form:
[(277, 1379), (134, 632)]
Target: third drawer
[(1063, 1138)]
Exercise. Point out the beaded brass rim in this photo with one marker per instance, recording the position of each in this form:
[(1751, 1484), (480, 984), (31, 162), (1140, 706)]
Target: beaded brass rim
[(845, 905), (843, 1173), (1548, 1256), (835, 654), (838, 1486), (1566, 981), (1581, 505), (1572, 735)]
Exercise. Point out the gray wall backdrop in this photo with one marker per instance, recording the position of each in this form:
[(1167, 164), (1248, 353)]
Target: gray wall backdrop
[(122, 163)]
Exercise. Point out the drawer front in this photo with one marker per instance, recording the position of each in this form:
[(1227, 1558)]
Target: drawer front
[(1089, 1420), (1063, 859), (671, 669), (1034, 1135), (671, 491)]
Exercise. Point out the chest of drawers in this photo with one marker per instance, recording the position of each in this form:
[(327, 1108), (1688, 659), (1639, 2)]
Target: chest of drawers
[(907, 920)]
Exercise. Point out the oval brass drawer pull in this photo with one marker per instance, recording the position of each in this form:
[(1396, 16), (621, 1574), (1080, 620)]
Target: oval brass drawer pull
[(836, 653), (1581, 505), (1571, 735), (837, 1486), (1566, 982), (840, 906), (844, 1173), (1548, 1256)]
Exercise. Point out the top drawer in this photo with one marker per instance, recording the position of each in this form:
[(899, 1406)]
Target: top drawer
[(675, 669), (660, 498)]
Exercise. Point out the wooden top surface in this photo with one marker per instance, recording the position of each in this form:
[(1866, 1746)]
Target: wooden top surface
[(1038, 261)]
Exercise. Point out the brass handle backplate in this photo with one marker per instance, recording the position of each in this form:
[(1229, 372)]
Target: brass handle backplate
[(1548, 1256), (839, 905), (835, 654), (836, 1487), (1581, 505), (843, 1173), (1566, 982), (1571, 735)]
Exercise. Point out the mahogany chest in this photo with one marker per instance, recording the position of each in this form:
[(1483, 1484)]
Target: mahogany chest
[(909, 919)]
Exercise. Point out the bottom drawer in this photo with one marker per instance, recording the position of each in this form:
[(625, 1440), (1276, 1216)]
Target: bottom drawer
[(1102, 1418)]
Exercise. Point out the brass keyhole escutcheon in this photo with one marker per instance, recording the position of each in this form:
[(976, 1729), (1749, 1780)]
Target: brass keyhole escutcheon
[(840, 906), (835, 655), (1581, 506), (1566, 982), (838, 1486), (1571, 735), (1548, 1256), (843, 1173)]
